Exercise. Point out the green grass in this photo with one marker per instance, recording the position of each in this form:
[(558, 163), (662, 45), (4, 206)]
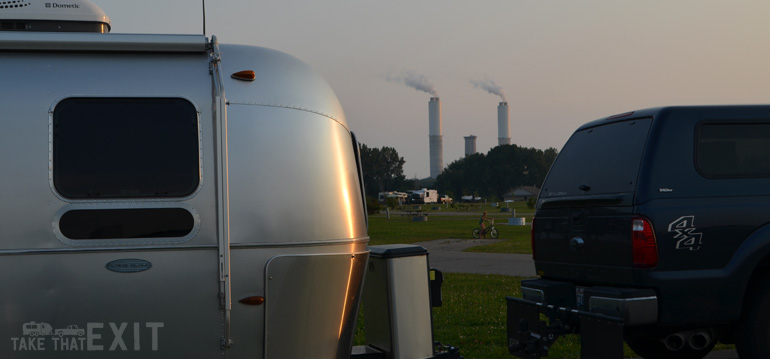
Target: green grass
[(397, 229), (400, 230), (473, 315), (447, 222), (473, 318)]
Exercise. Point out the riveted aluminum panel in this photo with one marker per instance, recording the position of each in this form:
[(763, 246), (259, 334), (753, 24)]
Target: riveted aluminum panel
[(281, 81), (290, 158), (314, 316), (146, 314), (294, 166)]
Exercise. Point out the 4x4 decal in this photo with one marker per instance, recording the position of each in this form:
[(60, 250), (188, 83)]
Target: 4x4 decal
[(683, 229)]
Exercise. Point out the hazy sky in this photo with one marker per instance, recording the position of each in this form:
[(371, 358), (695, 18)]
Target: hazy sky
[(561, 63)]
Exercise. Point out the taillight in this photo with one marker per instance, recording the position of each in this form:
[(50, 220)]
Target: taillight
[(645, 246), (532, 237)]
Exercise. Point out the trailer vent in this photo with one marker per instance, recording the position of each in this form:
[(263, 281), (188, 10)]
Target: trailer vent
[(52, 16), (13, 4)]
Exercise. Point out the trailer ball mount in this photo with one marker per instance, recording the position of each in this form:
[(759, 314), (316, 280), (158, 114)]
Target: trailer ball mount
[(601, 336)]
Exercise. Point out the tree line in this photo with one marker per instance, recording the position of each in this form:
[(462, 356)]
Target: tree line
[(502, 169)]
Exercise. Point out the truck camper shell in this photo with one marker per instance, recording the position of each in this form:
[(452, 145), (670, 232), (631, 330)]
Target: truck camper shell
[(149, 199)]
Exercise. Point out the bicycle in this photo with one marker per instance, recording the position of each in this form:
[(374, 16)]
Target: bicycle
[(490, 229)]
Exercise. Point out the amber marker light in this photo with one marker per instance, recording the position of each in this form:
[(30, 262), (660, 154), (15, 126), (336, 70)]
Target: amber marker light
[(247, 75), (253, 300)]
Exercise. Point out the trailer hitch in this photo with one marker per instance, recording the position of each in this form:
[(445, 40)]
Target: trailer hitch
[(531, 338), (530, 345)]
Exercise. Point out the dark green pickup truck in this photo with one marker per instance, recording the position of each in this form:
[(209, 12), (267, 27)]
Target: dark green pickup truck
[(653, 228)]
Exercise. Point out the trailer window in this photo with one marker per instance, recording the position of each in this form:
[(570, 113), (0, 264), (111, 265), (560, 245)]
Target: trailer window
[(125, 148), (126, 223), (733, 150)]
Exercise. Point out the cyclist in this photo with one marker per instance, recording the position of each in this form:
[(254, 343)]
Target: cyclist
[(482, 223)]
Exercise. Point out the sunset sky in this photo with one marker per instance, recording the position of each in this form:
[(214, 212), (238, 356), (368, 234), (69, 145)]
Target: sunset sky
[(561, 63)]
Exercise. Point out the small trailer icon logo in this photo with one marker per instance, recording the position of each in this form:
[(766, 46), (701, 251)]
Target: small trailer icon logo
[(47, 4), (33, 329)]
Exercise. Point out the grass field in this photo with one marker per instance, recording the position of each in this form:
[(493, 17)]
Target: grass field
[(447, 224), (473, 318)]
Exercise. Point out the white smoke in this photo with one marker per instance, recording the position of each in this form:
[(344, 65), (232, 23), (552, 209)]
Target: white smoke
[(415, 81), (489, 86)]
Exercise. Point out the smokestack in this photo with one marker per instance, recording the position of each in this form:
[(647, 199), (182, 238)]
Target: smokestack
[(503, 125), (434, 134), (470, 145)]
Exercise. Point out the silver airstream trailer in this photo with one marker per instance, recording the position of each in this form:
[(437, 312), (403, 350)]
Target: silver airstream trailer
[(165, 196)]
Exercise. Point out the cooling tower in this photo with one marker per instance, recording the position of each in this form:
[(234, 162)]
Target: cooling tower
[(434, 134), (503, 125), (470, 145)]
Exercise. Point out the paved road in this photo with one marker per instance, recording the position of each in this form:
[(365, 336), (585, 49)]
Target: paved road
[(447, 256)]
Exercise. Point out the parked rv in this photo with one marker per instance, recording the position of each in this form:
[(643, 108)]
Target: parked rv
[(424, 196), (470, 199), (400, 197), (135, 186), (148, 181)]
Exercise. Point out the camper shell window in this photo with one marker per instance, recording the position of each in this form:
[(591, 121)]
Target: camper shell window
[(111, 148), (733, 150), (599, 160)]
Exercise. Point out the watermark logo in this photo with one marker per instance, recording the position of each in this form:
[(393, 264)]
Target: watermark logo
[(92, 337)]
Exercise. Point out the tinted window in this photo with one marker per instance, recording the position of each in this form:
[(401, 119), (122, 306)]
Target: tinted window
[(733, 150), (126, 223), (599, 160), (125, 148)]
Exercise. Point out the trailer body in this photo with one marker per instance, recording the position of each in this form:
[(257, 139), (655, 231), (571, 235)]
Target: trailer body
[(168, 205)]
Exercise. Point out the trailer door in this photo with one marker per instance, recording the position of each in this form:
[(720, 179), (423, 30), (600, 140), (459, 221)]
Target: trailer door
[(134, 274)]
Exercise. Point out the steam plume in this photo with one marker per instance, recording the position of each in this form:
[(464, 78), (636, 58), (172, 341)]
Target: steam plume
[(415, 81), (490, 86)]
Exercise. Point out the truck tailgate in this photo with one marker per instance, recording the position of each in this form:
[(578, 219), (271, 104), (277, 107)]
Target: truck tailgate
[(589, 244)]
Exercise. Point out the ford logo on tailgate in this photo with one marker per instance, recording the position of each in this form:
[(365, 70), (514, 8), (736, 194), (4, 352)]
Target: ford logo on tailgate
[(577, 243), (128, 265)]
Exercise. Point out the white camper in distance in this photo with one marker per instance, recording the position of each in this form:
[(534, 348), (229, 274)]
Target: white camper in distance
[(424, 196)]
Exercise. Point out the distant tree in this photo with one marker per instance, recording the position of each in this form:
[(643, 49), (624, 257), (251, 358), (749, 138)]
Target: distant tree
[(506, 166), (372, 205), (492, 175), (463, 177), (383, 169), (406, 185)]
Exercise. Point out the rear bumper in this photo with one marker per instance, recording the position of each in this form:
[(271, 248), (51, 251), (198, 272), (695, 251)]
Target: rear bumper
[(633, 306)]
